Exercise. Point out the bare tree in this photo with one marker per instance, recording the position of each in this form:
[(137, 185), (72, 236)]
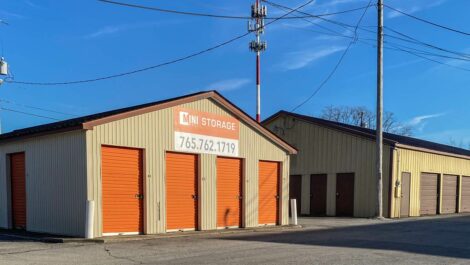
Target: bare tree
[(363, 117), (460, 144)]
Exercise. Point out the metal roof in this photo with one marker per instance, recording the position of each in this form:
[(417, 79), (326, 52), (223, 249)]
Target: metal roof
[(89, 121), (389, 138)]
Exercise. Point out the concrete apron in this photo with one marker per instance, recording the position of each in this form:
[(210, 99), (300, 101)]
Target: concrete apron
[(45, 238)]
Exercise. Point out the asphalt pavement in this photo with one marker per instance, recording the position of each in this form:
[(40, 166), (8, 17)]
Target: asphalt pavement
[(429, 240)]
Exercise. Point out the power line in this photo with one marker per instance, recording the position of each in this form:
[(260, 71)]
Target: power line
[(30, 114), (337, 64), (153, 66), (427, 21), (430, 59), (36, 108), (220, 16), (419, 42)]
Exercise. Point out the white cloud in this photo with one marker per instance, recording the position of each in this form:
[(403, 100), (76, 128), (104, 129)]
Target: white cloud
[(419, 119), (415, 8), (105, 31), (229, 84), (419, 122), (109, 30), (301, 59), (32, 4)]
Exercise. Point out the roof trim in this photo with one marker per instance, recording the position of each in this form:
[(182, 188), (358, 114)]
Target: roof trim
[(431, 151), (393, 142), (210, 94), (331, 126), (146, 108)]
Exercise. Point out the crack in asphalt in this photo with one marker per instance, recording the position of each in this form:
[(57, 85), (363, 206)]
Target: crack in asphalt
[(37, 250), (108, 251)]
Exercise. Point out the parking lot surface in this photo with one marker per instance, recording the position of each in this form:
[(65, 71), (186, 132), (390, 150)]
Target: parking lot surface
[(429, 240)]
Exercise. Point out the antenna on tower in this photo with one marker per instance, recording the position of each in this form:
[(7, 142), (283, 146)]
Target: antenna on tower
[(256, 25)]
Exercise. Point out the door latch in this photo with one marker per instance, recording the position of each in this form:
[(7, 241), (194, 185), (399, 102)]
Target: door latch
[(194, 196), (139, 196)]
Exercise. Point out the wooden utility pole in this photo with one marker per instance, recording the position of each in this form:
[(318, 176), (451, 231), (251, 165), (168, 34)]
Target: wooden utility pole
[(379, 115)]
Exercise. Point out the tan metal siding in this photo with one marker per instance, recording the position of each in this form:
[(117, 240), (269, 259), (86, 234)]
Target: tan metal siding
[(154, 133), (417, 162), (327, 151), (55, 182)]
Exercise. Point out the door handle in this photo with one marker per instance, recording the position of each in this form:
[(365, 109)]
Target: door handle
[(194, 196), (139, 196), (239, 197), (277, 197), (337, 194)]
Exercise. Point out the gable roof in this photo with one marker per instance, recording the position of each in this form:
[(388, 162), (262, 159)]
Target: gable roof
[(90, 121), (389, 138)]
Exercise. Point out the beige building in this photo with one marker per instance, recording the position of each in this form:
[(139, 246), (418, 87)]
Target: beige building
[(191, 163), (333, 173)]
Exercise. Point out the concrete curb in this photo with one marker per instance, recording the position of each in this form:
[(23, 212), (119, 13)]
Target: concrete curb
[(54, 240)]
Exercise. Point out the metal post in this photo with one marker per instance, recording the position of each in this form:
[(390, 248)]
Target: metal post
[(379, 126), (258, 85), (293, 211), (90, 213), (258, 13)]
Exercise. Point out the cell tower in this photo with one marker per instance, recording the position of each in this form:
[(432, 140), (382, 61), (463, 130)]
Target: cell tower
[(256, 25)]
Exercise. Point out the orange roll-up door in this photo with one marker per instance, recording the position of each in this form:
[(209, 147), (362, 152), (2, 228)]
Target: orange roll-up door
[(229, 194), (18, 190), (122, 186), (181, 191), (268, 209)]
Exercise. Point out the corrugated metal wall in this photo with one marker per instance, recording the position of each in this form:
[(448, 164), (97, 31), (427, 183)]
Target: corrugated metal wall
[(327, 151), (55, 182), (417, 162), (153, 132)]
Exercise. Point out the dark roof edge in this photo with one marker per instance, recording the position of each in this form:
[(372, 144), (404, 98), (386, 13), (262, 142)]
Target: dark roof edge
[(333, 126), (441, 150), (89, 121)]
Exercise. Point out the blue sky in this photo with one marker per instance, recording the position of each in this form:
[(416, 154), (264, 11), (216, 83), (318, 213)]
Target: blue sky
[(71, 40)]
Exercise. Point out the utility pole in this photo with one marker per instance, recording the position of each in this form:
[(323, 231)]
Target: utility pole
[(379, 126), (258, 13)]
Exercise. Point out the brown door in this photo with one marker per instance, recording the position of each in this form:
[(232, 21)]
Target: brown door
[(345, 194), (268, 203), (405, 194), (295, 191), (450, 194), (229, 192), (318, 194), (429, 197), (18, 190), (465, 207), (122, 186), (181, 191)]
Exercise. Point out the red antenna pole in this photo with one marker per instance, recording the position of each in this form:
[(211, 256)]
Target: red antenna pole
[(258, 13)]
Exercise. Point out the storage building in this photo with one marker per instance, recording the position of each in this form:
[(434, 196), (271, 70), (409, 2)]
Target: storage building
[(333, 173), (195, 162)]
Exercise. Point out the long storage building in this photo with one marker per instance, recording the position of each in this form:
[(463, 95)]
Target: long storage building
[(195, 162), (333, 173)]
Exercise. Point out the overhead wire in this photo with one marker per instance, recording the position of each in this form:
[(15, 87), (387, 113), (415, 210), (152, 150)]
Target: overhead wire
[(330, 75), (428, 21), (36, 108), (28, 113), (154, 66), (408, 38), (220, 16)]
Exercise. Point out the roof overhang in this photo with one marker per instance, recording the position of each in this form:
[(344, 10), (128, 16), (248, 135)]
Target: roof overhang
[(426, 150)]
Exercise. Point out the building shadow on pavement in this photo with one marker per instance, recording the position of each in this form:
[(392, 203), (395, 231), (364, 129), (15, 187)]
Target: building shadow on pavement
[(447, 236)]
